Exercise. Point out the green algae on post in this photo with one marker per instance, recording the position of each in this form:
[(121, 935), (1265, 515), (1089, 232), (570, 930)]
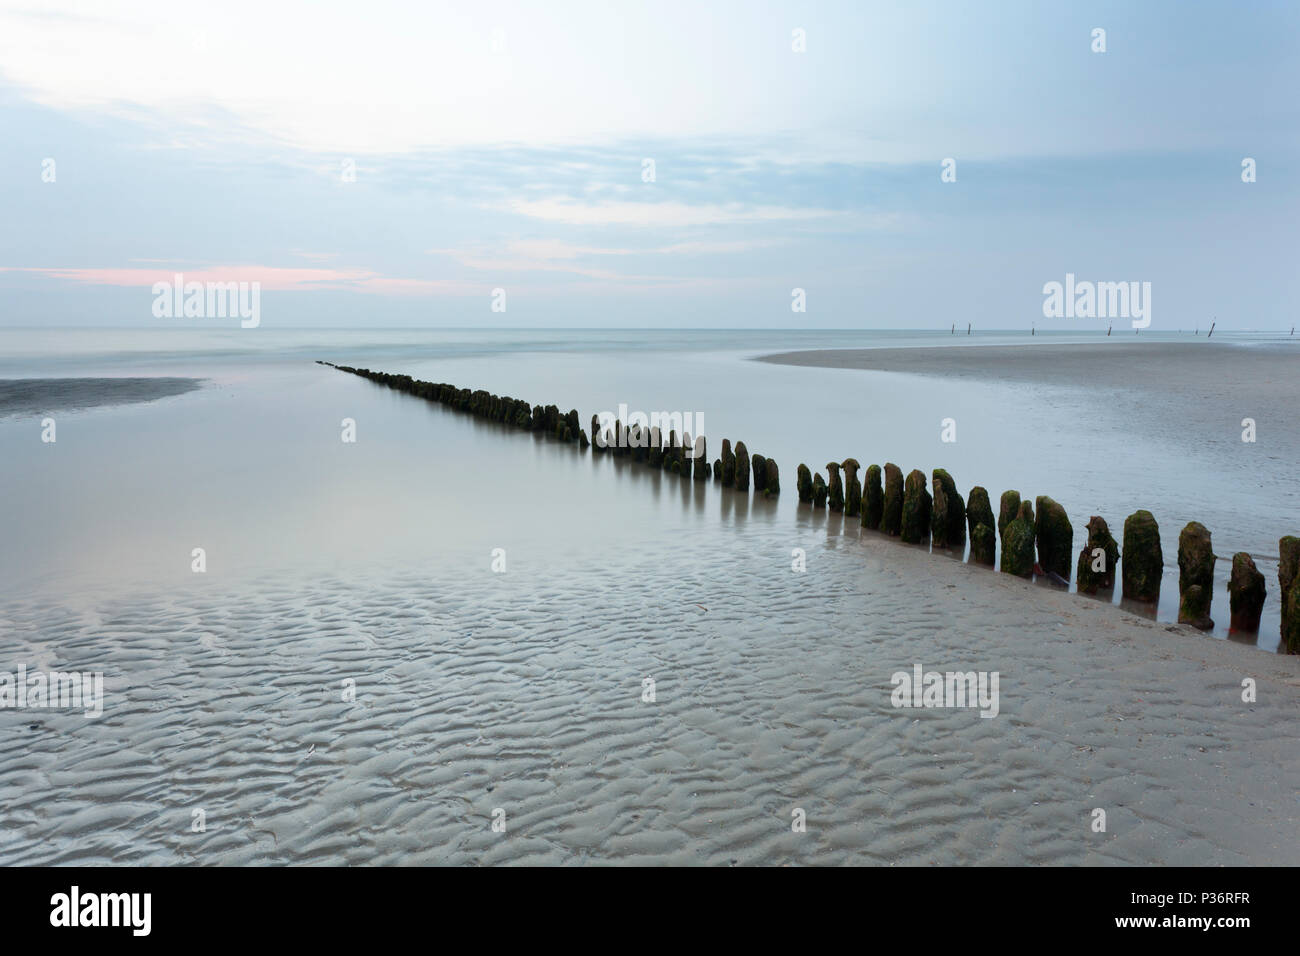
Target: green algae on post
[(1098, 559), (1144, 561), (818, 491), (773, 480), (1288, 579), (852, 488), (891, 519), (983, 545), (1195, 576), (758, 471), (978, 510), (1018, 542), (728, 465), (836, 486), (701, 467), (804, 483), (915, 526), (948, 515), (1055, 537), (873, 502), (655, 455), (1009, 507)]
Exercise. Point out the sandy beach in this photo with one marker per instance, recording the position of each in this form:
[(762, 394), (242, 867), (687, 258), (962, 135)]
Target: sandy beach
[(1197, 376), (524, 693)]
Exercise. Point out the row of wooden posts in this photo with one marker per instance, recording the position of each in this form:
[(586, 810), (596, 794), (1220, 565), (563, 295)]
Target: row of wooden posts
[(906, 508), (680, 455), (735, 469), (915, 511)]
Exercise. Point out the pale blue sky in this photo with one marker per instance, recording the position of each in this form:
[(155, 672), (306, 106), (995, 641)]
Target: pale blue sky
[(501, 145)]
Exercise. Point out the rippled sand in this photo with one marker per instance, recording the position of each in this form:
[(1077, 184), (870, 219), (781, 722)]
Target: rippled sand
[(522, 691)]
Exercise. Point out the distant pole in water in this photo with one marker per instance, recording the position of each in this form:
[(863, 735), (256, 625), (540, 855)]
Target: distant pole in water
[(1212, 325), (968, 329), (1031, 330), (954, 329), (1108, 328)]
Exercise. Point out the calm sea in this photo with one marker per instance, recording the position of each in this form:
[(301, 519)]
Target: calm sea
[(250, 466)]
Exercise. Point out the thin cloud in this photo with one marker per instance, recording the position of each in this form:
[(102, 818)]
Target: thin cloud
[(660, 214), (270, 278)]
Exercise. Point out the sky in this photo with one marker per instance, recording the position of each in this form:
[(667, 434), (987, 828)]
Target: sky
[(396, 164)]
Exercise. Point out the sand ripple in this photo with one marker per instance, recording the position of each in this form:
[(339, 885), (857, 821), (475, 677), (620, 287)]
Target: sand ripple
[(523, 692)]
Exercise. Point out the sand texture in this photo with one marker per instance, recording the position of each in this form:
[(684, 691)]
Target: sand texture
[(523, 692)]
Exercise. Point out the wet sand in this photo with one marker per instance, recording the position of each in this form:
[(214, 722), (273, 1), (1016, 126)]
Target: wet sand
[(522, 691), (44, 396), (1164, 365), (1262, 383)]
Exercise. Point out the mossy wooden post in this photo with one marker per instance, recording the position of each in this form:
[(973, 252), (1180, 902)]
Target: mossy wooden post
[(1008, 508), (701, 465), (917, 502), (852, 488), (717, 471), (742, 467), (655, 457), (891, 519), (583, 441), (1018, 542), (836, 486), (873, 501), (983, 545), (1144, 561), (948, 516), (728, 465), (1055, 537), (804, 483), (758, 471), (818, 491), (979, 511), (1288, 579), (1195, 576), (596, 443), (1246, 592), (1098, 559), (773, 479), (683, 455)]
